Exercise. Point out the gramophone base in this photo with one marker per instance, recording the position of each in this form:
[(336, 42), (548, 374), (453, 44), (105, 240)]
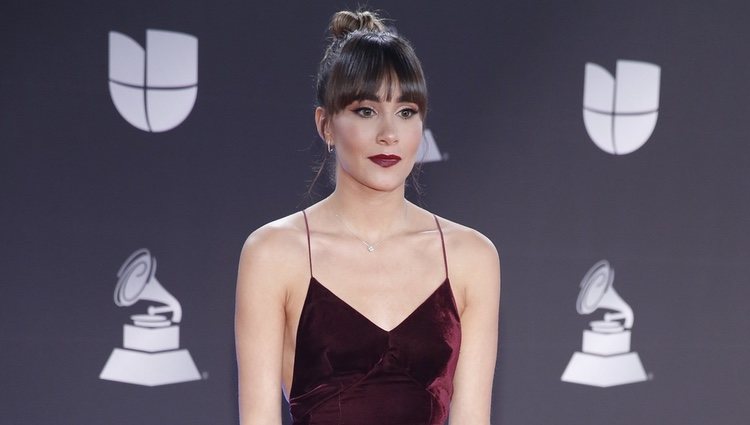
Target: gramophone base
[(150, 369), (604, 371)]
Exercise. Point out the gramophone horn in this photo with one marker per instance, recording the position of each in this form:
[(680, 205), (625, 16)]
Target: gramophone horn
[(597, 292), (133, 276), (136, 281), (594, 285)]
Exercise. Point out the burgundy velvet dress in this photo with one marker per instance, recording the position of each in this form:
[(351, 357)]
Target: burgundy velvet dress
[(349, 371)]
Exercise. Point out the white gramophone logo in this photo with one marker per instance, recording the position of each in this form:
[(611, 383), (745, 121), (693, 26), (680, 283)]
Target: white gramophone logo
[(606, 359), (151, 353), (620, 113), (154, 90)]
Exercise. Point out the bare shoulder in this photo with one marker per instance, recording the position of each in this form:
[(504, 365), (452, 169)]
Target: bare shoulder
[(468, 246), (277, 249), (473, 259), (275, 237)]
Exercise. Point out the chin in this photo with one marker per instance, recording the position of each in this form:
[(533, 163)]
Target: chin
[(387, 186), (380, 181)]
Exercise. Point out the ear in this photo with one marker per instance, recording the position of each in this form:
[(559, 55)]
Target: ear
[(322, 122)]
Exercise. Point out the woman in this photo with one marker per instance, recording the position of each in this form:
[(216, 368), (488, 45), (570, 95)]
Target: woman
[(359, 306)]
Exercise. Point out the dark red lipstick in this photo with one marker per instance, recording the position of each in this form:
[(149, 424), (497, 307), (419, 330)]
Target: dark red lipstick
[(385, 160)]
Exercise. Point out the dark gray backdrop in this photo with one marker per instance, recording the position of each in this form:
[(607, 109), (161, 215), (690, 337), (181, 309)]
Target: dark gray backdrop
[(82, 189)]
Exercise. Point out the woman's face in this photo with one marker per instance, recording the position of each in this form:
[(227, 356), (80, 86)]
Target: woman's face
[(376, 140)]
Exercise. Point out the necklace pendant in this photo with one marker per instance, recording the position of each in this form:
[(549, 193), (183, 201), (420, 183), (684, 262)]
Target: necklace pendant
[(370, 248)]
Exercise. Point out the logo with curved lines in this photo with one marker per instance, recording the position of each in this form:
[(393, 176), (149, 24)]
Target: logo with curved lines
[(620, 112), (150, 353), (154, 88)]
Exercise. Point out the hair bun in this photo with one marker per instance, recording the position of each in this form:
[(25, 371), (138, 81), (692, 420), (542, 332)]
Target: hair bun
[(345, 22)]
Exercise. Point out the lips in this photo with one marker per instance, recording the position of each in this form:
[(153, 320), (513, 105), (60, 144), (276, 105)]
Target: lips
[(385, 160)]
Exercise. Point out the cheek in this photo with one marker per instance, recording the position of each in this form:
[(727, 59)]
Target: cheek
[(350, 138), (413, 137), (346, 129)]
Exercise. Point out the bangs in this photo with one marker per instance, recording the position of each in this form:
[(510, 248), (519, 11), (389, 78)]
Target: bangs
[(370, 62)]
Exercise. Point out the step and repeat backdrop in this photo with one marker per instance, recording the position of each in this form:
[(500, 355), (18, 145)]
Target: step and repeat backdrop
[(601, 145)]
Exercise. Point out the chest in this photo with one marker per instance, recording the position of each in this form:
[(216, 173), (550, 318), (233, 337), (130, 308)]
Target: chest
[(334, 338)]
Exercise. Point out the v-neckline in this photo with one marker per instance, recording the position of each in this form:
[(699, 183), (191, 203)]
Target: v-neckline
[(368, 320)]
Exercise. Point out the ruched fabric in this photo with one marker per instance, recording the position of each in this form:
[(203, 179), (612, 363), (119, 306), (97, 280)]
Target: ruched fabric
[(349, 371)]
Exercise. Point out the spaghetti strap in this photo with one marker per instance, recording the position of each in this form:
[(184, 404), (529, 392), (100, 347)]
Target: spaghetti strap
[(442, 240), (309, 251)]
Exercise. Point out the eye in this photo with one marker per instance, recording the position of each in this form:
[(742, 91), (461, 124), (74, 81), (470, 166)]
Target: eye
[(365, 112), (407, 113)]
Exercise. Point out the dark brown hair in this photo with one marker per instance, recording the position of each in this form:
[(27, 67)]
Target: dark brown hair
[(362, 57)]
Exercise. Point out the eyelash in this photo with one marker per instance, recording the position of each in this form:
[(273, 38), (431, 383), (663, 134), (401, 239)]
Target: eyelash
[(411, 111), (361, 111)]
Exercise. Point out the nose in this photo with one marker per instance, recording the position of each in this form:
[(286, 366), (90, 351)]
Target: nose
[(387, 134)]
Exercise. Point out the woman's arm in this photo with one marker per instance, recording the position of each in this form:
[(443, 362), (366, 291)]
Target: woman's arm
[(477, 271), (259, 329)]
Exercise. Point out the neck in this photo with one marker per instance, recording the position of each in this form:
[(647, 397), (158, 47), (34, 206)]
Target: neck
[(374, 215)]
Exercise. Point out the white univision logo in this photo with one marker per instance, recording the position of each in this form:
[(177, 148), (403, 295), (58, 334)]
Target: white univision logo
[(151, 353), (620, 113), (428, 149), (606, 359), (155, 89)]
